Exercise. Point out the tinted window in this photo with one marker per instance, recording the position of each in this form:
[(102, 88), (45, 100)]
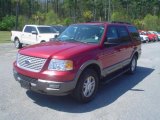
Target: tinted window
[(28, 29), (34, 29), (123, 34), (82, 33), (45, 29), (134, 32), (112, 36)]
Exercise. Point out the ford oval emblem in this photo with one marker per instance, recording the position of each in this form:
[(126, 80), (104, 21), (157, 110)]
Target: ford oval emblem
[(27, 62)]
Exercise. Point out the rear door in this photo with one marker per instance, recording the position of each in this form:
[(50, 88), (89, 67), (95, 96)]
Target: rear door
[(126, 44)]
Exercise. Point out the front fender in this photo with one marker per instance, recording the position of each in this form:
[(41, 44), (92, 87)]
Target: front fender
[(85, 65)]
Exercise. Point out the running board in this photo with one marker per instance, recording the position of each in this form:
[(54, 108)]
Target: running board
[(112, 76)]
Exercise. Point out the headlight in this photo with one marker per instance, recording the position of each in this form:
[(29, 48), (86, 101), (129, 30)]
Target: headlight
[(60, 65)]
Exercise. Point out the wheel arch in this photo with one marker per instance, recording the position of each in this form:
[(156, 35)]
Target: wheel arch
[(43, 41), (15, 38), (92, 64)]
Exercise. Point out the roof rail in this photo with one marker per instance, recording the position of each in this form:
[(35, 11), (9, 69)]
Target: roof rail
[(121, 22)]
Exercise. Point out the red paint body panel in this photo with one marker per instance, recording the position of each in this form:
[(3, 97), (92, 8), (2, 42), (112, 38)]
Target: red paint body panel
[(78, 52)]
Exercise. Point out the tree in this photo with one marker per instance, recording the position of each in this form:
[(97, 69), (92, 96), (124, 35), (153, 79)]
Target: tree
[(151, 22)]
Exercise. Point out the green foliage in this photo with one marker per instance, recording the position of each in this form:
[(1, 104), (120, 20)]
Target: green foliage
[(38, 18), (119, 16), (22, 21), (142, 13), (151, 22), (5, 36), (51, 18), (87, 15), (7, 23), (139, 23), (67, 21)]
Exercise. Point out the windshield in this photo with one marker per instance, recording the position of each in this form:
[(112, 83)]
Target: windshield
[(82, 33), (45, 30)]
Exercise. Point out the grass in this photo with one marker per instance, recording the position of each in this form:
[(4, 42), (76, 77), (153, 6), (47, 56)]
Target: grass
[(5, 36)]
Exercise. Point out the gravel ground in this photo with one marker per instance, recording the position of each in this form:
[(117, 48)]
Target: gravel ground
[(129, 97)]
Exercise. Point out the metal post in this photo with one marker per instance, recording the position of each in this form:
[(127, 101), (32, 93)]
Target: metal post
[(75, 10), (17, 13), (109, 10), (47, 5), (105, 11)]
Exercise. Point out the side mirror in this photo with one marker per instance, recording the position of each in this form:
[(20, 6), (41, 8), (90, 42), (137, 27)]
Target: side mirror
[(34, 32), (110, 42)]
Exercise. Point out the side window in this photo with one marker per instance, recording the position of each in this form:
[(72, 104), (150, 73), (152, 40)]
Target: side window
[(28, 29), (123, 34), (134, 32), (34, 29), (112, 36)]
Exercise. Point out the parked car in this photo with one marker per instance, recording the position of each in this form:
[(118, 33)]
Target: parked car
[(77, 61), (32, 34), (144, 38), (156, 33), (152, 37)]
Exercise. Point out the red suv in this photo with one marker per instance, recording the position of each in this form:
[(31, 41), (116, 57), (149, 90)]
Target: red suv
[(77, 60)]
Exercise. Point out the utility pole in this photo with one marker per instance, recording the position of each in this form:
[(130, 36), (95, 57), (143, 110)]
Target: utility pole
[(109, 10), (127, 6), (94, 10), (105, 11), (17, 14), (75, 10), (47, 5)]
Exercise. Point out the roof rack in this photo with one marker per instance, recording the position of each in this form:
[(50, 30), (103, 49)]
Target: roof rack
[(121, 22)]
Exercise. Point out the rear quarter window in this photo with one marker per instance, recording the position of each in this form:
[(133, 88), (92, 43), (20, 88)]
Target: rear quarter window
[(134, 33), (123, 34)]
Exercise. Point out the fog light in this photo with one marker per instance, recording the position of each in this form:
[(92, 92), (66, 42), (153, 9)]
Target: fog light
[(54, 86)]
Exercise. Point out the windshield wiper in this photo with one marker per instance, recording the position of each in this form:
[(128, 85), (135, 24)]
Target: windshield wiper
[(73, 40)]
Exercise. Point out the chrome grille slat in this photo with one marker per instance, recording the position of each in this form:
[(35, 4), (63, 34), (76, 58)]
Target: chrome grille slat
[(35, 64)]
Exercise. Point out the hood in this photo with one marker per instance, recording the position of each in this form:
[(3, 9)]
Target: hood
[(57, 49)]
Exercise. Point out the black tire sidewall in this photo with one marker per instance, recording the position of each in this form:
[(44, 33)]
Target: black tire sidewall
[(19, 44), (78, 93), (130, 66)]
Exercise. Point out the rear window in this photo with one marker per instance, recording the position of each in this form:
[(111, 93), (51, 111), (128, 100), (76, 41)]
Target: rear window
[(45, 30), (134, 32), (123, 34)]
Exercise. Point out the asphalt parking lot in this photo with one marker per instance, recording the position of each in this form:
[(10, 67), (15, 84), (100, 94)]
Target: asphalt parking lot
[(129, 97)]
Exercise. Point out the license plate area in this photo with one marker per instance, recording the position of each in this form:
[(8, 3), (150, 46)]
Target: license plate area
[(25, 84)]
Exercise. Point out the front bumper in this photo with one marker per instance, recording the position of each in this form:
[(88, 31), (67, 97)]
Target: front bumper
[(44, 86)]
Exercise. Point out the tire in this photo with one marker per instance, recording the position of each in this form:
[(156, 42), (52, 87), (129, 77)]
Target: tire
[(86, 87), (43, 41), (17, 43), (133, 65)]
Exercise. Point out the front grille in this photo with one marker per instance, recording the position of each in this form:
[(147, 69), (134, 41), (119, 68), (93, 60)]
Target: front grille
[(34, 64)]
